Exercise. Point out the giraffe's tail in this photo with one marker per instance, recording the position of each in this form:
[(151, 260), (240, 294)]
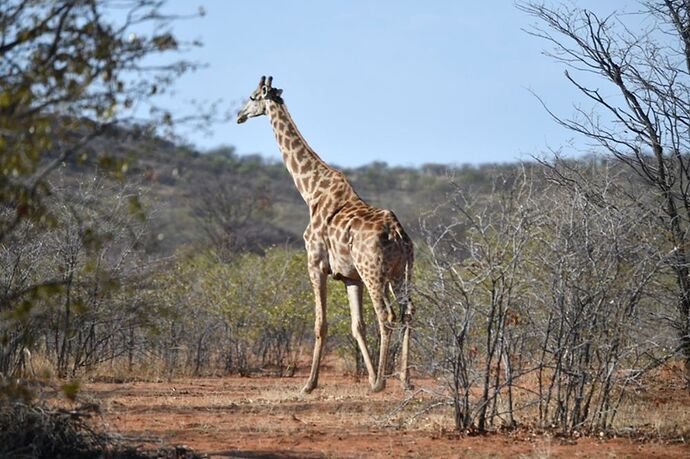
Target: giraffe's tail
[(401, 286), (407, 309)]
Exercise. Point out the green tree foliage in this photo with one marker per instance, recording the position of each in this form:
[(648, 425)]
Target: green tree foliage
[(70, 70), (248, 314), (241, 315)]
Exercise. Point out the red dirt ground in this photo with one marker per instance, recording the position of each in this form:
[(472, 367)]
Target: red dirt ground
[(265, 417)]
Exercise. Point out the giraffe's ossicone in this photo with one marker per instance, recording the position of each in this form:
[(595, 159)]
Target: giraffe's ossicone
[(346, 238)]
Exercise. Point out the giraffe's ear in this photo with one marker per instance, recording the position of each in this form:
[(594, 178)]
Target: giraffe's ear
[(275, 92)]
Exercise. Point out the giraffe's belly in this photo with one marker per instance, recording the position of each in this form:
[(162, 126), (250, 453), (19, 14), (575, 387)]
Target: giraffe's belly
[(342, 266)]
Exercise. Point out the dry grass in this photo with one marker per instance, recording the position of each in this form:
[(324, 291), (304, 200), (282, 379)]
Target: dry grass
[(657, 414)]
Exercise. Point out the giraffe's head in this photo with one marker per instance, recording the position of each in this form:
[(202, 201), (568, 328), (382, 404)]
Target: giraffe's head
[(256, 105)]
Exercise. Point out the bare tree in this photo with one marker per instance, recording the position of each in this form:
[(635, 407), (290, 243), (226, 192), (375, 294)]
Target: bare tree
[(592, 270), (236, 217), (645, 124), (95, 256)]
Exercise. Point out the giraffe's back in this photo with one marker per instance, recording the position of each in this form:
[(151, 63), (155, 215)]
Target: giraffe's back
[(366, 242)]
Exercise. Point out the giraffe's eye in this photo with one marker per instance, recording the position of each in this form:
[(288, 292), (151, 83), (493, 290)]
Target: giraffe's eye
[(252, 98)]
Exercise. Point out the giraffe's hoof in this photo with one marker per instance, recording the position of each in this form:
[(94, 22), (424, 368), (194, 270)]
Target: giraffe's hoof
[(407, 386), (378, 387), (306, 390)]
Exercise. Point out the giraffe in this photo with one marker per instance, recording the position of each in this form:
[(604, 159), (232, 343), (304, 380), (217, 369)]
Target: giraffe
[(346, 238)]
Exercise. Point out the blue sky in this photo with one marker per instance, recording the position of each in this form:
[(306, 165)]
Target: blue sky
[(405, 82)]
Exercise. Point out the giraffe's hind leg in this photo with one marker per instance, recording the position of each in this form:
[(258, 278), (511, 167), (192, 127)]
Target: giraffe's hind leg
[(404, 365), (402, 296), (385, 316)]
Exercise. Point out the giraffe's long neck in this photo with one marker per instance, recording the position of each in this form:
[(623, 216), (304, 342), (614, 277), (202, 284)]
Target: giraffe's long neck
[(306, 168)]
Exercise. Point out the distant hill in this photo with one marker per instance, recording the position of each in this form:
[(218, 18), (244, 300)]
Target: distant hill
[(247, 202)]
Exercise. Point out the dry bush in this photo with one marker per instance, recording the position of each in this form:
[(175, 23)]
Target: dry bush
[(38, 431), (541, 307)]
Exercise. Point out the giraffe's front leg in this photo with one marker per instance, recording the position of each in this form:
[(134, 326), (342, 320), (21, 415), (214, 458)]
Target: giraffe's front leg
[(318, 280)]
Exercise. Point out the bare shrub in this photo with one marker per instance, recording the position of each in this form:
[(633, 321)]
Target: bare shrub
[(538, 299), (476, 290)]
